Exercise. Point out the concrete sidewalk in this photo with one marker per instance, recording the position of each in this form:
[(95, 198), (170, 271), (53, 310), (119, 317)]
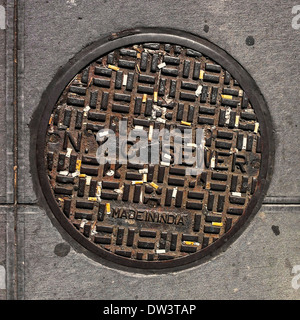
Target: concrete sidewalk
[(39, 260)]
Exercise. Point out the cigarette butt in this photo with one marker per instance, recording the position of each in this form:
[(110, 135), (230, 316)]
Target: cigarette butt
[(161, 65), (174, 192), (226, 96), (237, 120), (145, 170), (113, 67), (213, 162), (244, 143), (138, 68), (145, 177), (256, 127), (138, 55), (186, 123), (137, 182), (217, 224), (144, 97), (154, 185), (189, 242), (198, 91), (98, 192), (155, 96), (201, 74), (78, 165), (50, 120), (61, 199), (241, 92), (125, 80), (107, 206), (69, 151), (88, 180), (92, 198)]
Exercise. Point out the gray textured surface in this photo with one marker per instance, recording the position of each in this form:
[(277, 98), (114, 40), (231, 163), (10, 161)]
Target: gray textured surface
[(6, 108), (257, 265), (273, 61), (50, 265)]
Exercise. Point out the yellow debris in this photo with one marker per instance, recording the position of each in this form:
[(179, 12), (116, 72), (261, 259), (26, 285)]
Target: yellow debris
[(237, 120), (226, 96), (189, 242), (186, 123), (144, 97), (201, 74), (107, 206), (92, 198), (154, 185), (256, 127), (155, 96), (217, 224), (82, 175), (78, 165), (138, 55), (137, 182), (113, 67)]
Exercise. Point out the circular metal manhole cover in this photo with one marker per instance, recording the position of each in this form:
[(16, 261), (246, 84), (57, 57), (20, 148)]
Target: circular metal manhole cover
[(169, 197)]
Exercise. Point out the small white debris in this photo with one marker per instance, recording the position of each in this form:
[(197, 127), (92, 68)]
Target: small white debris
[(163, 163), (138, 128), (119, 191), (75, 174), (168, 100), (103, 134), (153, 114), (213, 162), (86, 109), (69, 151), (161, 120), (237, 120), (161, 65), (193, 145), (244, 143), (63, 173), (145, 177), (236, 194), (198, 91), (93, 232), (145, 170), (241, 92), (227, 116), (110, 173), (167, 156), (174, 192), (125, 79), (88, 180), (83, 222), (160, 251), (256, 127)]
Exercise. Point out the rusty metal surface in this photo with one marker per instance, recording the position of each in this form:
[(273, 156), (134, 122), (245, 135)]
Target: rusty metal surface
[(153, 85)]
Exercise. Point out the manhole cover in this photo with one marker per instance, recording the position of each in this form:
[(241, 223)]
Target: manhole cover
[(186, 142)]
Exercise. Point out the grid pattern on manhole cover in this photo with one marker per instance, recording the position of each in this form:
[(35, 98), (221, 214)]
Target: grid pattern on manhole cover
[(153, 212)]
